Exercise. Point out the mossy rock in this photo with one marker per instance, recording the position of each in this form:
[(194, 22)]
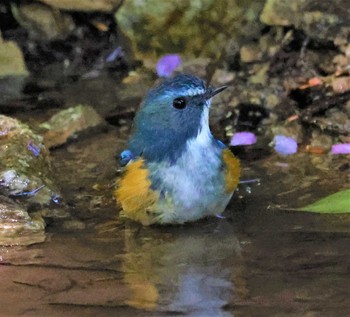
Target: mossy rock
[(25, 168), (192, 28)]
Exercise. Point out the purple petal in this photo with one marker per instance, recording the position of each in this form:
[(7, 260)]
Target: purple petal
[(341, 148), (167, 64), (114, 55), (243, 138), (285, 145)]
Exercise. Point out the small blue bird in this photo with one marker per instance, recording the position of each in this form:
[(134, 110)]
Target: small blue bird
[(176, 171)]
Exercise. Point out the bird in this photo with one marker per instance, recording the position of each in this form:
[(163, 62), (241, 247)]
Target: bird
[(175, 170)]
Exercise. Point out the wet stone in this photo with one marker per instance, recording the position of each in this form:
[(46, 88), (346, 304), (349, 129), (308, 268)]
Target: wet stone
[(17, 227), (67, 123)]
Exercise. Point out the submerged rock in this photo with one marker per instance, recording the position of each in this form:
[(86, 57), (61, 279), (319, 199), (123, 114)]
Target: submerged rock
[(67, 123), (25, 169), (17, 227), (193, 28)]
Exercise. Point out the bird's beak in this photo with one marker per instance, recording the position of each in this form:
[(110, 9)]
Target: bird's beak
[(211, 92)]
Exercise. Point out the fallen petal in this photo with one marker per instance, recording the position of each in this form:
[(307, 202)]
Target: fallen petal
[(341, 148), (285, 145), (167, 64), (114, 55), (243, 138), (35, 149)]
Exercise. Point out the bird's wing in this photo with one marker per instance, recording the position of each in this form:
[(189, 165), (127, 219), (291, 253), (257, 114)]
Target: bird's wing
[(134, 151), (134, 193), (220, 144), (232, 170), (125, 157)]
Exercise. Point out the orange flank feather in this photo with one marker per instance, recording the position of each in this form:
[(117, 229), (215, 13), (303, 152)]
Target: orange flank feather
[(233, 170), (134, 194)]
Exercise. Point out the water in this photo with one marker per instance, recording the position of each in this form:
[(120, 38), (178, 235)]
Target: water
[(259, 260)]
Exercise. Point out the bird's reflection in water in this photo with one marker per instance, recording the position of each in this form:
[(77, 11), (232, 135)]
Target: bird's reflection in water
[(187, 270)]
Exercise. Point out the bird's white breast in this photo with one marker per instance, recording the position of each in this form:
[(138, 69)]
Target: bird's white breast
[(194, 184)]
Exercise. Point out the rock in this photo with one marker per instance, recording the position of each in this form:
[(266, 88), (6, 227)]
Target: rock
[(11, 60), (67, 123), (271, 42), (271, 13), (250, 53), (334, 120), (222, 77), (25, 169), (17, 227), (319, 20), (85, 5), (271, 101), (202, 28), (43, 22), (341, 61), (341, 84), (321, 140), (195, 66), (260, 74), (347, 108)]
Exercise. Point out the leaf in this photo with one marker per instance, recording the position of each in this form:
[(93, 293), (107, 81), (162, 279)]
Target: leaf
[(337, 203)]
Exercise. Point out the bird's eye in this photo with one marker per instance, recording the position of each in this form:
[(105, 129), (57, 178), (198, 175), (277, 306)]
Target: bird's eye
[(179, 103)]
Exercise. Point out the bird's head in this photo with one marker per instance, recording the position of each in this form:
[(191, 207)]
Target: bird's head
[(172, 113)]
